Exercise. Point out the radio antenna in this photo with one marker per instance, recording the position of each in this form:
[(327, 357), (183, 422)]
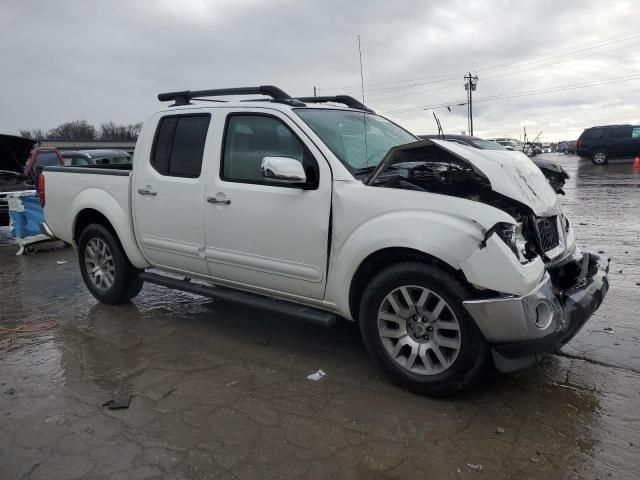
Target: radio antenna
[(361, 74), (364, 115)]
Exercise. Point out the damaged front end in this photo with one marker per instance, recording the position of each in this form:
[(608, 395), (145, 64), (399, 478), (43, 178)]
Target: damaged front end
[(534, 289), (522, 328), (505, 180)]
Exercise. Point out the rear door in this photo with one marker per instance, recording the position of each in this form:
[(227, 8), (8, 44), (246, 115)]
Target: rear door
[(622, 144), (268, 235), (168, 193)]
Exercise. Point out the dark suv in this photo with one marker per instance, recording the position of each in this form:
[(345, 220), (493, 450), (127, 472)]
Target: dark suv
[(601, 143)]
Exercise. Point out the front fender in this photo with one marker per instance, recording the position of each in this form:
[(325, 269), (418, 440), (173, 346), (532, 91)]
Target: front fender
[(449, 238), (118, 216)]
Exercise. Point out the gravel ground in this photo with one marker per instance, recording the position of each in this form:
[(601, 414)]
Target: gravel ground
[(220, 391)]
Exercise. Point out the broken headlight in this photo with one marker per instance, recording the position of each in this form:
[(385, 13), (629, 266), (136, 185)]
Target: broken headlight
[(513, 237)]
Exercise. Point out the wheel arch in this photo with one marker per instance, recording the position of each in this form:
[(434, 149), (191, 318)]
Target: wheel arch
[(384, 258), (88, 215)]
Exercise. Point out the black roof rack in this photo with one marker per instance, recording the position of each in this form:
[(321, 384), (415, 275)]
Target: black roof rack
[(344, 99), (182, 98), (276, 94)]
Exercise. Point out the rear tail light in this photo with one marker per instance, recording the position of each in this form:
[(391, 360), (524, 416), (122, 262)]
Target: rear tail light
[(41, 190), (579, 143)]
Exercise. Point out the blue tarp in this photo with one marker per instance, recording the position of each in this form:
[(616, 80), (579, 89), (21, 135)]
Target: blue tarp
[(25, 219)]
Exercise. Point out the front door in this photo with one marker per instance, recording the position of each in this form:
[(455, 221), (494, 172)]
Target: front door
[(168, 194), (260, 233)]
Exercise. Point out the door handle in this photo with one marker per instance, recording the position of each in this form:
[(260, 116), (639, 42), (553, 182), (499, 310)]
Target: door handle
[(147, 191), (223, 201)]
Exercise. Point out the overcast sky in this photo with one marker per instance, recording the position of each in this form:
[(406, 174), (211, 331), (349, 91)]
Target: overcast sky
[(107, 60)]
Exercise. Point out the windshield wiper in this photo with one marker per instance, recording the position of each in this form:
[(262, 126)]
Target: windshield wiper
[(361, 170)]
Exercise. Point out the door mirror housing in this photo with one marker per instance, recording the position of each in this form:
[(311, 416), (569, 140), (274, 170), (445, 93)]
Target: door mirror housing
[(284, 170)]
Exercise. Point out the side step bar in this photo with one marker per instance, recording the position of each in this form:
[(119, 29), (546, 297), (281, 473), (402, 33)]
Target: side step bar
[(313, 315)]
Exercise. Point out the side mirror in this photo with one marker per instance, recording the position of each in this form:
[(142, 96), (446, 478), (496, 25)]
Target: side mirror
[(283, 170)]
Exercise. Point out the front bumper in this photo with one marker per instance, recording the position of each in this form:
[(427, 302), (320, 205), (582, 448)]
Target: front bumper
[(521, 329)]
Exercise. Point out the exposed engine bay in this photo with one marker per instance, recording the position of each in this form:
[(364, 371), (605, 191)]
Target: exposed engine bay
[(430, 168)]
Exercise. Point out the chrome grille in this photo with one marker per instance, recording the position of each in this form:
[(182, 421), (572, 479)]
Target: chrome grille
[(548, 230)]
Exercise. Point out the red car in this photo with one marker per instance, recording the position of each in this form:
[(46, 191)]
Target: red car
[(42, 157)]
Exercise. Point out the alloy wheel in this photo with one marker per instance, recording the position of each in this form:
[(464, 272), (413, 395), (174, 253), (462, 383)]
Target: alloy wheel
[(99, 263), (599, 158), (419, 330)]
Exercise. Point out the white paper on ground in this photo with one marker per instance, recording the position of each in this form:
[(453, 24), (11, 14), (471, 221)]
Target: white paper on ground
[(316, 376)]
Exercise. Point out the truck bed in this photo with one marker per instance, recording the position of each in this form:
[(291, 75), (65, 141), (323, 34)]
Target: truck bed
[(104, 188)]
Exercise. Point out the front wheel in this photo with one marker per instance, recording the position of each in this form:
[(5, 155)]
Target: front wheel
[(105, 268), (600, 157), (414, 325)]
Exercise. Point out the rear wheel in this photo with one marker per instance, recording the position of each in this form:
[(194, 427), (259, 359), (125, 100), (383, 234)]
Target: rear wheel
[(600, 157), (414, 325), (105, 268)]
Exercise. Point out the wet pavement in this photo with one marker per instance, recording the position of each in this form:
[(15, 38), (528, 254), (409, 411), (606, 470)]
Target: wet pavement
[(220, 391)]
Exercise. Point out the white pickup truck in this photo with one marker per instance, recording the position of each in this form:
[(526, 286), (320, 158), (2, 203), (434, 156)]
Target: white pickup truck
[(451, 259)]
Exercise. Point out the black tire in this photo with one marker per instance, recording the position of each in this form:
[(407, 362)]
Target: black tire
[(126, 282), (473, 359), (600, 157)]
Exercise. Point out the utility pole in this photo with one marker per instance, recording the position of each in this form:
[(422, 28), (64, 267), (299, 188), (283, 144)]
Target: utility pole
[(470, 82), (314, 92)]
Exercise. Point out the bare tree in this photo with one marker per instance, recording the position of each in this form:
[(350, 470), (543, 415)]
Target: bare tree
[(82, 130), (34, 134), (112, 131), (133, 130), (77, 130)]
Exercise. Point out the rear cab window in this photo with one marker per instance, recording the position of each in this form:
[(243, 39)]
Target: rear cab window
[(178, 147)]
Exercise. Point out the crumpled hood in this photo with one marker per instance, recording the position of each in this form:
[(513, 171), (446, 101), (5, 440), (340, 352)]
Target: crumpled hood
[(510, 173)]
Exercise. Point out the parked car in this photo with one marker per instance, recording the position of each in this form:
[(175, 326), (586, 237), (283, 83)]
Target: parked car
[(555, 174), (451, 259), (77, 159), (562, 147), (106, 157), (42, 157), (571, 148), (507, 142), (601, 143), (14, 152)]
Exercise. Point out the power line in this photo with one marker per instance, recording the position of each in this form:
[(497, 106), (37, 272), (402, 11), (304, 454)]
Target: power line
[(583, 53), (489, 77), (505, 96), (569, 50)]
